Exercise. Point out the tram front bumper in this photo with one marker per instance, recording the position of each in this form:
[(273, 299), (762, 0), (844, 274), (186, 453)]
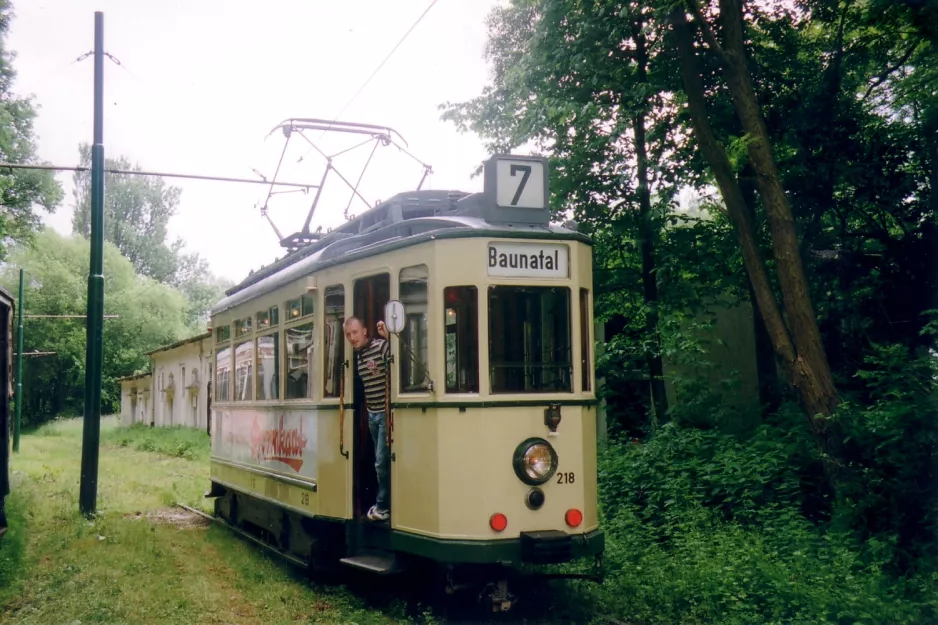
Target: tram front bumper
[(542, 547)]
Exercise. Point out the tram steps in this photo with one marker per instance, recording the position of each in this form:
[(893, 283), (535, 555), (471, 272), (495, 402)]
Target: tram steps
[(380, 563)]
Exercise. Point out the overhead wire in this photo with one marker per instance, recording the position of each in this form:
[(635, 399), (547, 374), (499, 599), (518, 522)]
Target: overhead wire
[(380, 65)]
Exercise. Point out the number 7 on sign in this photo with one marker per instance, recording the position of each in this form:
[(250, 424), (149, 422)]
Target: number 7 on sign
[(520, 183), (515, 168)]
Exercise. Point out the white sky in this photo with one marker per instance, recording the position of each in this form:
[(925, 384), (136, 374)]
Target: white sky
[(202, 83)]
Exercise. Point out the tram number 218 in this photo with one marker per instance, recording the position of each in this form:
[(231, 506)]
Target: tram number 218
[(566, 478)]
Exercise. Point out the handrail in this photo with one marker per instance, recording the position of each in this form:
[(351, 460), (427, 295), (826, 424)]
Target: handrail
[(342, 411)]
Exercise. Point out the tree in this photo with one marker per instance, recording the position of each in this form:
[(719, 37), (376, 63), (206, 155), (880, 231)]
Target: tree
[(137, 210), (796, 337), (560, 83), (22, 191), (150, 314), (202, 288), (827, 190)]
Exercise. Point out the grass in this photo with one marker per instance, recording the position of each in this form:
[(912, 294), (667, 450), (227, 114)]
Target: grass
[(176, 441), (135, 562)]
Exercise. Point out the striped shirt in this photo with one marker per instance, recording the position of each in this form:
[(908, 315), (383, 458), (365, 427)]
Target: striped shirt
[(372, 366)]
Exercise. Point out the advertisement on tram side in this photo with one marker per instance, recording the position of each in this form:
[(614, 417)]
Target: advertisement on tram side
[(283, 441)]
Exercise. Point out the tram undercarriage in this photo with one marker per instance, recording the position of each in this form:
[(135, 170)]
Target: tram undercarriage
[(322, 547)]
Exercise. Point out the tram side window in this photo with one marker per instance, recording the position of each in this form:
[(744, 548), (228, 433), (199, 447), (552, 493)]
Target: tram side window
[(585, 339), (530, 346), (222, 373), (461, 323), (299, 348), (268, 366), (244, 371), (413, 357), (333, 339)]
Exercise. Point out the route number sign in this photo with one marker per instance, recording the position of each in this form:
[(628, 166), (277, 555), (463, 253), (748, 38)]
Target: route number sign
[(520, 183)]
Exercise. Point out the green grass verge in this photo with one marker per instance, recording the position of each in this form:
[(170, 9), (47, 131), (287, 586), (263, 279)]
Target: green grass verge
[(137, 561)]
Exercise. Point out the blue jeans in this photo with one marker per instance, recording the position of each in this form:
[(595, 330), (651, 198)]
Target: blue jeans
[(382, 458)]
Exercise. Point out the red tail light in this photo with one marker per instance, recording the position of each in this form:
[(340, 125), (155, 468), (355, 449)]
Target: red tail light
[(498, 522), (573, 517)]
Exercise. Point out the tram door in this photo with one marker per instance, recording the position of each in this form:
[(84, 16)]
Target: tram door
[(371, 294)]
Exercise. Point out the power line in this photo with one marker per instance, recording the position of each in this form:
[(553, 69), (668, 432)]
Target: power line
[(161, 174), (377, 69), (65, 316)]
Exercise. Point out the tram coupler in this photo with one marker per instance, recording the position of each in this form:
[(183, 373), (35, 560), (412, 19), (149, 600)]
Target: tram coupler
[(497, 596)]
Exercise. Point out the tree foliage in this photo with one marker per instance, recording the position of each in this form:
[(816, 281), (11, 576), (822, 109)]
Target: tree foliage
[(137, 210), (816, 121), (150, 314), (22, 191)]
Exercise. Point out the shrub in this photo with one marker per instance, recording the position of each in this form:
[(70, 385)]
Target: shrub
[(705, 526)]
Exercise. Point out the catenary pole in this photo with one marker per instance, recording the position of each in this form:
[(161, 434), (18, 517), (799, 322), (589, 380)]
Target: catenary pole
[(19, 368), (88, 490)]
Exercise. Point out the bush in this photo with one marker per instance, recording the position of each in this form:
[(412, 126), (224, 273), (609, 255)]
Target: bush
[(177, 441), (704, 526), (887, 488)]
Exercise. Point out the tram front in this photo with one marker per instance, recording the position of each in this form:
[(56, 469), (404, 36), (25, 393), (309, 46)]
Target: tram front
[(497, 463)]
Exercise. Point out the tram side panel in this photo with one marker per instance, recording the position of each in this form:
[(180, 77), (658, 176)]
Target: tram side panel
[(417, 472), (287, 456)]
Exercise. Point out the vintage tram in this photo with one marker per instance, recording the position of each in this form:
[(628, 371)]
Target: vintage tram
[(7, 307), (492, 400)]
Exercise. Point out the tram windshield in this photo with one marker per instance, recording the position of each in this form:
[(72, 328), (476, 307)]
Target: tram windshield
[(530, 343)]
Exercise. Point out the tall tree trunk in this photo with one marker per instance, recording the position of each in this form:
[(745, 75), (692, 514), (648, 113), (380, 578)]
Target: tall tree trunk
[(811, 366), (814, 387), (766, 370), (648, 234)]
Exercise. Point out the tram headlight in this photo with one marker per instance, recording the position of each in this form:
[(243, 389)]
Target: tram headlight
[(535, 461)]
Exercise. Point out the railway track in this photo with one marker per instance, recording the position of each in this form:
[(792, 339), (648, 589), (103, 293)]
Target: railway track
[(292, 559), (454, 614)]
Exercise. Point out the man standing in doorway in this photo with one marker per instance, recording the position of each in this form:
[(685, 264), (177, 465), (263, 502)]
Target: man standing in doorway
[(371, 358)]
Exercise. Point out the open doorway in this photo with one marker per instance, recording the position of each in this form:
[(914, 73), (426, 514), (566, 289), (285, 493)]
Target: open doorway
[(371, 294)]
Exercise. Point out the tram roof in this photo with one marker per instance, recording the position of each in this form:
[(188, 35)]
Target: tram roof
[(403, 220)]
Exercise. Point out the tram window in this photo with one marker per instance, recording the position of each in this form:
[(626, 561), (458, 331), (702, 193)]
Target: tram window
[(242, 326), (268, 366), (306, 305), (294, 309), (299, 341), (222, 373), (333, 340), (222, 334), (529, 346), (460, 310), (274, 313), (585, 339), (244, 371), (413, 294), (263, 320)]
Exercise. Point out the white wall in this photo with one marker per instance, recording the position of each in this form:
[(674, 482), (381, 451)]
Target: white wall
[(176, 392), (180, 376), (135, 395)]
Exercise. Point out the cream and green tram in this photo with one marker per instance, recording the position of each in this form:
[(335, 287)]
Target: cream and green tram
[(491, 387)]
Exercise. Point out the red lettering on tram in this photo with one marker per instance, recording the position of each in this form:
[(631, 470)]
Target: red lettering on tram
[(279, 444)]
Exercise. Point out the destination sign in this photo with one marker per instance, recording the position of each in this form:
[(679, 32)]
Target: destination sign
[(528, 260)]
